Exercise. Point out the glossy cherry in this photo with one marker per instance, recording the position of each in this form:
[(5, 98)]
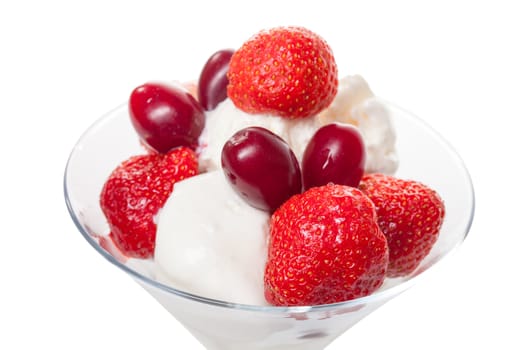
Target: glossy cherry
[(211, 88), (166, 116), (261, 167), (336, 153)]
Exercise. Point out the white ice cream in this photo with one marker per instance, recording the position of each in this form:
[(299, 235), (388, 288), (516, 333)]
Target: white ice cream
[(210, 242), (225, 120), (354, 103)]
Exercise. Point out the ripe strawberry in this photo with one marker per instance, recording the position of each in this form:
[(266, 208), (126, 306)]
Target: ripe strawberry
[(410, 215), (325, 246), (285, 71), (136, 190)]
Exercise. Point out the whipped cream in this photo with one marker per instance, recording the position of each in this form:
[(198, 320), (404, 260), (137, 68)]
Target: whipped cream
[(352, 90), (210, 242), (373, 119), (356, 104)]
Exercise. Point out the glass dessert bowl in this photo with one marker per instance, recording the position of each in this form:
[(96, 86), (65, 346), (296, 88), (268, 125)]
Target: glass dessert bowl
[(218, 324)]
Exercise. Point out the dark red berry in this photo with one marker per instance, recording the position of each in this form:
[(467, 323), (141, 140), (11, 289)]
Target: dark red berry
[(336, 153), (166, 116), (211, 88), (261, 168)]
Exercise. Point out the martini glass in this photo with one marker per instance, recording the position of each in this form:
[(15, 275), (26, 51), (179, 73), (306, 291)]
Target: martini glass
[(218, 324)]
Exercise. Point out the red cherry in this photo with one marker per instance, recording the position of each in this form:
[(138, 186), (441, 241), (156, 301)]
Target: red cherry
[(261, 167), (211, 88), (336, 153), (166, 116)]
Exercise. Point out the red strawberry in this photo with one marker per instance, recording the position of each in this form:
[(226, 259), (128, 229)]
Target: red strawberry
[(285, 71), (410, 215), (325, 246), (136, 190)]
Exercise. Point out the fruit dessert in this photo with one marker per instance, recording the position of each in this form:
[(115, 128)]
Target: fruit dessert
[(269, 181)]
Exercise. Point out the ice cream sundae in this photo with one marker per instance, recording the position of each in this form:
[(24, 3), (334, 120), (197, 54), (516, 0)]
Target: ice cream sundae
[(272, 182)]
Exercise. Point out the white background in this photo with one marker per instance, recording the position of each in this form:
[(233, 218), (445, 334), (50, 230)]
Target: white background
[(457, 64)]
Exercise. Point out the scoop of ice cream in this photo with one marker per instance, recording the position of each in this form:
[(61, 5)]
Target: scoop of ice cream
[(226, 120), (354, 103), (210, 242)]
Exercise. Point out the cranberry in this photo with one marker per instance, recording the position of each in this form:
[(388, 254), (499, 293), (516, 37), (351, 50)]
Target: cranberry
[(211, 88), (336, 153), (261, 167), (166, 116)]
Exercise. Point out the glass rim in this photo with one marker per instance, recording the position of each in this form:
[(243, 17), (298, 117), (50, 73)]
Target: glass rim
[(378, 295)]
